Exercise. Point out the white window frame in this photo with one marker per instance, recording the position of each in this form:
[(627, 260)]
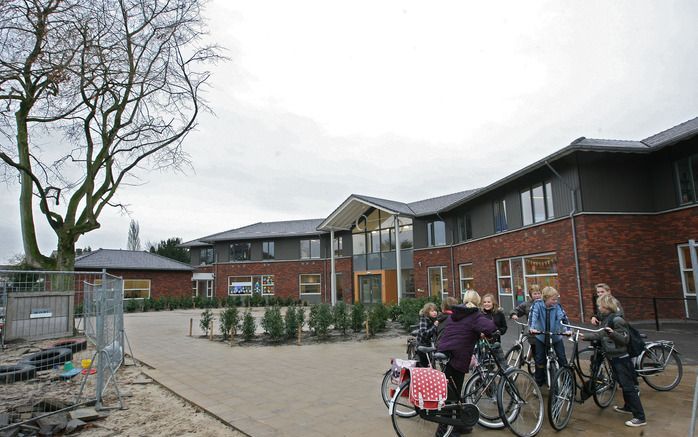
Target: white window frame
[(444, 280), (525, 274), (194, 288), (310, 248), (209, 288), (264, 286), (135, 279), (684, 269), (301, 284), (464, 279)]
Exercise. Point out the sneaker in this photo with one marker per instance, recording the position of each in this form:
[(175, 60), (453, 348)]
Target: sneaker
[(622, 410), (635, 422)]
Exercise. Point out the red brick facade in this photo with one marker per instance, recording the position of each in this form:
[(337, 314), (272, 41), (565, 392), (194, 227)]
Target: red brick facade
[(162, 282)]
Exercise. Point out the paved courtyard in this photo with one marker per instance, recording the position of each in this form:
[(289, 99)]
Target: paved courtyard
[(331, 389)]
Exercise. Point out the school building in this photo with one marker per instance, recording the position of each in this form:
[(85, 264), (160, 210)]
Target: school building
[(597, 210)]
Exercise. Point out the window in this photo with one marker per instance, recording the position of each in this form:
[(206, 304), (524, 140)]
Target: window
[(310, 249), (537, 204), (376, 233), (465, 228), (194, 289), (209, 288), (687, 179), (436, 233), (516, 275), (500, 216), (246, 285), (406, 235), (206, 255), (438, 281), (467, 281), (687, 271), (136, 288), (338, 246), (309, 284), (267, 250), (240, 251)]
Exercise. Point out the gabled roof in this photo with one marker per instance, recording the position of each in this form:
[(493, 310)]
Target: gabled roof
[(290, 228), (440, 203), (127, 260), (193, 243), (673, 135)]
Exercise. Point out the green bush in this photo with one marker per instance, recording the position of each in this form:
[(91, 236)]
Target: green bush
[(206, 319), (377, 318), (131, 306), (358, 316), (320, 319), (273, 323), (340, 317), (248, 326), (409, 311), (291, 322), (229, 322), (257, 300), (394, 312)]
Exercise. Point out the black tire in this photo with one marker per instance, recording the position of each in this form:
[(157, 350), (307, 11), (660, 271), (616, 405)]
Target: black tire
[(18, 372), (561, 398), (654, 357), (481, 391), (415, 425), (74, 344), (605, 386), (48, 358), (520, 403)]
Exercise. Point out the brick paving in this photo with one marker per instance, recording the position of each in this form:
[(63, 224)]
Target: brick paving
[(331, 389)]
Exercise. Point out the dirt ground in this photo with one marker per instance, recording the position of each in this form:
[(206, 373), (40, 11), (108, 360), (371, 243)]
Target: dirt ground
[(150, 410)]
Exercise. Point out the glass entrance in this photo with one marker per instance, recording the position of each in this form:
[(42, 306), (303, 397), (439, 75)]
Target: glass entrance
[(370, 289)]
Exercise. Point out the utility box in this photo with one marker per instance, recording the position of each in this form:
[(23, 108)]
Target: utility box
[(38, 315)]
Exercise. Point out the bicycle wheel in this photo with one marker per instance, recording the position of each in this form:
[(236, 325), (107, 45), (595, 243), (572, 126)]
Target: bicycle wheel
[(416, 425), (561, 398), (388, 390), (657, 374), (481, 391), (587, 356), (604, 385), (411, 349), (520, 403), (514, 357)]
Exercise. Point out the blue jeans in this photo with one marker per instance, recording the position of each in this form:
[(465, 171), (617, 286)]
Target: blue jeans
[(541, 358)]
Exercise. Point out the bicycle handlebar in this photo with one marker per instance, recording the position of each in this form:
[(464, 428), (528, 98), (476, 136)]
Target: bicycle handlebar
[(579, 328)]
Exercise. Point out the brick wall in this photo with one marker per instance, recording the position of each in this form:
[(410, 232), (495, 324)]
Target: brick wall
[(162, 282), (286, 276)]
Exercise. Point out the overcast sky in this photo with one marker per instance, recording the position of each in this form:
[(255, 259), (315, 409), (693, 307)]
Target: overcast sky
[(403, 100)]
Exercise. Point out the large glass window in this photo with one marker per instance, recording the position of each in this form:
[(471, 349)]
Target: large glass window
[(465, 228), (246, 285), (436, 233), (500, 216), (467, 279), (206, 255), (375, 233), (438, 281), (136, 288), (687, 179), (310, 249), (240, 251), (537, 204), (516, 275), (309, 284), (268, 250), (337, 246)]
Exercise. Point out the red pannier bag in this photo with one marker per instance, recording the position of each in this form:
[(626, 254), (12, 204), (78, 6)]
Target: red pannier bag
[(428, 388)]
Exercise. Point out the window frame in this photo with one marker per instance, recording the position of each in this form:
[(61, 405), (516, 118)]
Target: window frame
[(256, 279), (444, 280), (137, 288), (524, 275), (270, 252), (233, 251), (301, 284), (431, 233), (692, 179), (310, 245), (528, 203), (499, 209), (204, 259)]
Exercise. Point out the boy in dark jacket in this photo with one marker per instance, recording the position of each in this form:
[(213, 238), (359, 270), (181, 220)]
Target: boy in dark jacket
[(614, 341)]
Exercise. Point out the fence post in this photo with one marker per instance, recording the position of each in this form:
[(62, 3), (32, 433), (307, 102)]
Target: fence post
[(191, 324), (656, 313), (210, 330)]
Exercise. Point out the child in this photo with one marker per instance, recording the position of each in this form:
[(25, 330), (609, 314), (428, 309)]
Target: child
[(490, 308), (523, 309), (443, 317), (614, 340), (546, 316), (427, 330), (602, 290)]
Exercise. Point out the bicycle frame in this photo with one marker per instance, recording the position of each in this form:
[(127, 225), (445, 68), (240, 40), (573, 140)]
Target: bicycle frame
[(574, 363), (647, 350)]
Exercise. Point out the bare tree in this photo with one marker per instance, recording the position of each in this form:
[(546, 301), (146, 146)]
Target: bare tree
[(90, 93), (134, 239)]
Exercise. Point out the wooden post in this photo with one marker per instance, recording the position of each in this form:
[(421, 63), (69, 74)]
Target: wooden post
[(300, 328), (232, 336), (191, 324), (210, 330), (368, 335)]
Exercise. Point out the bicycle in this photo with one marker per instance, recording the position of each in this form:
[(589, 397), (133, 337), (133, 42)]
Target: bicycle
[(659, 365), (551, 359), (521, 353), (388, 385), (599, 383), (518, 398)]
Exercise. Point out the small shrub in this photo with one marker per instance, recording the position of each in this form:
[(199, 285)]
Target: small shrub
[(206, 319), (340, 316), (229, 322), (273, 323), (248, 326), (291, 322), (409, 311), (358, 316), (377, 318), (394, 312), (237, 301), (320, 319), (131, 306)]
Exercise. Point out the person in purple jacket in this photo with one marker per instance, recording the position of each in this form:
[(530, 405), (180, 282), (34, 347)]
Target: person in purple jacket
[(460, 335)]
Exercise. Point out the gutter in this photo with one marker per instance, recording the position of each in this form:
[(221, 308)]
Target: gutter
[(574, 239)]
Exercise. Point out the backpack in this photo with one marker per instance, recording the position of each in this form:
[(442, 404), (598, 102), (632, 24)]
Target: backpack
[(635, 342)]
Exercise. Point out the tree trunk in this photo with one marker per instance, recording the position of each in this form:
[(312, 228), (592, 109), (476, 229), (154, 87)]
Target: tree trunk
[(65, 252)]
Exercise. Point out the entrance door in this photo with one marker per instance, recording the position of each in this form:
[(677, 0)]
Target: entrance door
[(370, 289)]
